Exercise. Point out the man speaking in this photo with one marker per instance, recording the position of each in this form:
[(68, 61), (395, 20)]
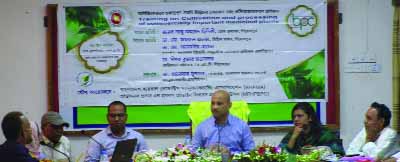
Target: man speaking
[(222, 130)]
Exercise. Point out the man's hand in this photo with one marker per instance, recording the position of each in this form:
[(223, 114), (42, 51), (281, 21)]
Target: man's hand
[(372, 135), (219, 148)]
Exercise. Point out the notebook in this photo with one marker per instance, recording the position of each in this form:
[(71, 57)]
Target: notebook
[(124, 150)]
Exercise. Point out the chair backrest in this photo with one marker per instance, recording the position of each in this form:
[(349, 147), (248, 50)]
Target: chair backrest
[(199, 111)]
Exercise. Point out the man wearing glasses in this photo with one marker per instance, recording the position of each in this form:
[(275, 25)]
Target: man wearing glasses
[(107, 139)]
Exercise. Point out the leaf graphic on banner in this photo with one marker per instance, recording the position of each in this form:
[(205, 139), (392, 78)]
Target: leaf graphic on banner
[(83, 23), (86, 79), (305, 79)]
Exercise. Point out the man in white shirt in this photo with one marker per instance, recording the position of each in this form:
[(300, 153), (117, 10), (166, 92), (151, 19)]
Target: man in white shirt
[(54, 146), (376, 139)]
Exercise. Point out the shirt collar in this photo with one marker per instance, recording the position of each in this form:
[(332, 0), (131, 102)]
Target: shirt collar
[(48, 142), (228, 120), (109, 133)]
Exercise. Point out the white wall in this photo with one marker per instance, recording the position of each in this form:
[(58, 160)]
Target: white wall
[(366, 28), (22, 58)]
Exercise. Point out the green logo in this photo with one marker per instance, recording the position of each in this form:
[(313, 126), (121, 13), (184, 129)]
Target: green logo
[(84, 79), (302, 21)]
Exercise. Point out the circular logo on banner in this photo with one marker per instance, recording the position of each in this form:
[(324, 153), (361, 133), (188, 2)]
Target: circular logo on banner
[(118, 18), (84, 79), (302, 21)]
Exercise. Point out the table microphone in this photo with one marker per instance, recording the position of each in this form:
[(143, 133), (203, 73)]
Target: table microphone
[(53, 148), (83, 132)]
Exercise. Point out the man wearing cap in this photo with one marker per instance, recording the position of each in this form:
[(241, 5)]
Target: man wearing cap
[(54, 146)]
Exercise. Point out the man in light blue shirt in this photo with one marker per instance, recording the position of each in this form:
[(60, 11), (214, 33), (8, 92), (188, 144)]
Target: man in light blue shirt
[(116, 131), (223, 129)]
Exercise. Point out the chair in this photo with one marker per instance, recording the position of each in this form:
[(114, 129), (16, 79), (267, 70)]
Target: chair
[(199, 111)]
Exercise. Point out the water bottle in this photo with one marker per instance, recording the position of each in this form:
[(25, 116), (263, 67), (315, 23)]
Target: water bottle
[(188, 144), (103, 156), (188, 141)]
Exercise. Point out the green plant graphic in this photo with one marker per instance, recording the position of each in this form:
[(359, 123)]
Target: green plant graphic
[(85, 80), (306, 79), (82, 23)]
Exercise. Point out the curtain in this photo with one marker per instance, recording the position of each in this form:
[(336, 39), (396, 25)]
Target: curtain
[(396, 65)]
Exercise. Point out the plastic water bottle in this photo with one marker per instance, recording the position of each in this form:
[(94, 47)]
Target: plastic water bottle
[(103, 156), (188, 144), (188, 141)]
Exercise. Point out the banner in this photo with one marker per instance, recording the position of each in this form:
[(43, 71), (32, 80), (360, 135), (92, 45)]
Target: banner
[(176, 53)]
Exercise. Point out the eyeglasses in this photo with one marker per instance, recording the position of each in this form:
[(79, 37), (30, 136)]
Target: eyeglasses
[(117, 115)]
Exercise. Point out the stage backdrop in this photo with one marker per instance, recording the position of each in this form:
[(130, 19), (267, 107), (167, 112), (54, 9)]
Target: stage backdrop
[(159, 57)]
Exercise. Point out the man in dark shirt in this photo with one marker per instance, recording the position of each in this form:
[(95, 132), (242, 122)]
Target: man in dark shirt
[(16, 129)]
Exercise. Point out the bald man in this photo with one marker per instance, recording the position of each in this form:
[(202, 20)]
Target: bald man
[(222, 130), (17, 130)]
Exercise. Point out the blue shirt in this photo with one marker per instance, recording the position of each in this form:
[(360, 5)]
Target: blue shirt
[(12, 151), (234, 135), (109, 141)]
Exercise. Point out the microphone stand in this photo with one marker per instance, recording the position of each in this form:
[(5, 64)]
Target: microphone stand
[(83, 132)]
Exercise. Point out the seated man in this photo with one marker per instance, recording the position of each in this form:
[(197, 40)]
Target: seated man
[(116, 131), (223, 129), (307, 132), (16, 129), (54, 146), (376, 138)]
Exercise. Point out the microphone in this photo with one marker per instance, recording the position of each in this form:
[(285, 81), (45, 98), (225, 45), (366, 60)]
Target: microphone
[(45, 144), (83, 132)]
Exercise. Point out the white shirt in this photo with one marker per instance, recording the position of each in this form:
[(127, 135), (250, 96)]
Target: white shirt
[(46, 152), (377, 149), (397, 156)]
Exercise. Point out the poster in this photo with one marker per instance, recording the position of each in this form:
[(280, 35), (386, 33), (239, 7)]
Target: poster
[(176, 53)]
